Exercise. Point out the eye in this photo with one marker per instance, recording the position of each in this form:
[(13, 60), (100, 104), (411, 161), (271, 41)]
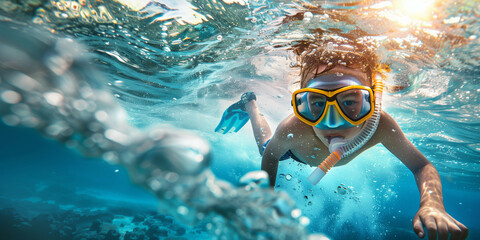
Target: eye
[(349, 103), (319, 102)]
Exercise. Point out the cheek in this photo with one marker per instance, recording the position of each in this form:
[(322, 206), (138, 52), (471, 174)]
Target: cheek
[(351, 132)]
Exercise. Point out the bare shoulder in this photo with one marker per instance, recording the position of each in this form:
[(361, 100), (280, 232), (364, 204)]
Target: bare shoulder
[(386, 119), (393, 138), (292, 125), (388, 128), (287, 131)]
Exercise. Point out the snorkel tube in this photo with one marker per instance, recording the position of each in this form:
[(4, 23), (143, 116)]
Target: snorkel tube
[(340, 148)]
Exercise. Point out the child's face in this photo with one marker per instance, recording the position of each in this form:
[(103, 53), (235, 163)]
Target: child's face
[(327, 134)]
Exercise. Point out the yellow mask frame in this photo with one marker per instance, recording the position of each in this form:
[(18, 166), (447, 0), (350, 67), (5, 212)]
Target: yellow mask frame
[(329, 95)]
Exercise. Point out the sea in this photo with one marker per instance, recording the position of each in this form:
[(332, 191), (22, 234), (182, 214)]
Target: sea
[(108, 110)]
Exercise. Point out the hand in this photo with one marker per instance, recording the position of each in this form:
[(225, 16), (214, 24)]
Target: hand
[(438, 222)]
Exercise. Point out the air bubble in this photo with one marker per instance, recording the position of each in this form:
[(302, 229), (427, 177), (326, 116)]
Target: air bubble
[(304, 221), (288, 177), (80, 105), (307, 16), (101, 116), (11, 97), (209, 226), (296, 213), (56, 128), (219, 37), (182, 210), (341, 190), (30, 122), (98, 138), (117, 136), (53, 98), (11, 120), (289, 136), (155, 185), (172, 177)]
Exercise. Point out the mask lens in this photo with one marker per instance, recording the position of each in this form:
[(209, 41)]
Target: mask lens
[(355, 103), (310, 105)]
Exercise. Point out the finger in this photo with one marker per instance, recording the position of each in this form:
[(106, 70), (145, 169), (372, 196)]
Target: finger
[(442, 229), (463, 230), (455, 230), (418, 227), (431, 226)]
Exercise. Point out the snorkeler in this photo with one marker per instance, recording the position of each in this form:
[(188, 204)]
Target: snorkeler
[(337, 116)]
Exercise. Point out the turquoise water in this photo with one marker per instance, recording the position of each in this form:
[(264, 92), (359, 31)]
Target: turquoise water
[(176, 64)]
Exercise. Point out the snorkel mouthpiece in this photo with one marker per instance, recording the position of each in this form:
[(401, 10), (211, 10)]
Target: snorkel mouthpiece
[(329, 162), (335, 143)]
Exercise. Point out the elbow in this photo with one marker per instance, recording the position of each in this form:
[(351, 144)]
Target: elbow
[(420, 168), (424, 169)]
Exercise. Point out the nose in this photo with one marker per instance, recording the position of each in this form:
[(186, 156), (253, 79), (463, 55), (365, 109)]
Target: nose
[(333, 119)]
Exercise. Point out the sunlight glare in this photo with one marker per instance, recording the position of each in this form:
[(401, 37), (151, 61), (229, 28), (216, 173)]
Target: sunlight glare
[(135, 5), (416, 9)]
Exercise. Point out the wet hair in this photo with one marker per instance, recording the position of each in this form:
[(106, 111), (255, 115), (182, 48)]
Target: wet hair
[(347, 50)]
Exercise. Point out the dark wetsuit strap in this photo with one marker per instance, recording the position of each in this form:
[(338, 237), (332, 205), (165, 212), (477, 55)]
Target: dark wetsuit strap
[(287, 155)]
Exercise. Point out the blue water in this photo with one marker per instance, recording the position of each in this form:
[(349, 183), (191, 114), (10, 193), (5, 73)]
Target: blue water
[(184, 76)]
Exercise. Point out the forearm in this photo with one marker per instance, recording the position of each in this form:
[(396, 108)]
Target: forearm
[(430, 187)]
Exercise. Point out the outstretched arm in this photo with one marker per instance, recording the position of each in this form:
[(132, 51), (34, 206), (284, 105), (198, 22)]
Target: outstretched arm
[(432, 214)]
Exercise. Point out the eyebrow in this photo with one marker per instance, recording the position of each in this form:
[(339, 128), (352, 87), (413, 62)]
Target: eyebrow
[(350, 94)]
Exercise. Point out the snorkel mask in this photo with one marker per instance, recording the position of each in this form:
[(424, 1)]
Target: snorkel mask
[(339, 102), (333, 101)]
